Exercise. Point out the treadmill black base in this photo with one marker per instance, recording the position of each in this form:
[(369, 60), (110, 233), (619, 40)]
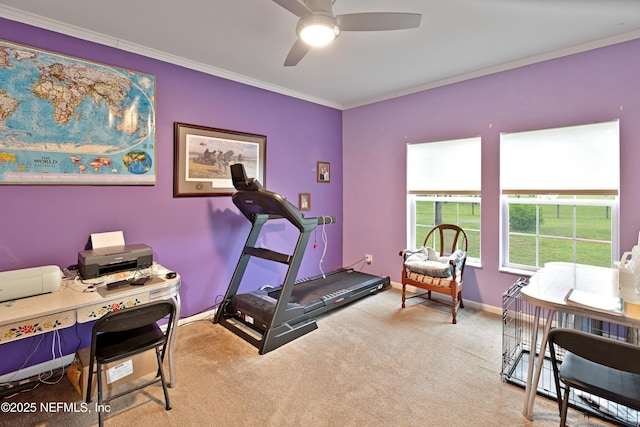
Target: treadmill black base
[(250, 315)]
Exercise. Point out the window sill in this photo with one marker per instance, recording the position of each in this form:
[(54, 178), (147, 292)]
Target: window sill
[(517, 271), (474, 264)]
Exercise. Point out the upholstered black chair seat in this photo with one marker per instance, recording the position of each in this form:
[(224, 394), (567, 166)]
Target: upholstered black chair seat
[(601, 366)]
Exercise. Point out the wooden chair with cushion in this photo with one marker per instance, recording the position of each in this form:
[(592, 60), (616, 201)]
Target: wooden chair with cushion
[(600, 366), (438, 266)]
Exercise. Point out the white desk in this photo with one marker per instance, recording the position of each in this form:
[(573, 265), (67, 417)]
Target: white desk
[(547, 289), (72, 304)]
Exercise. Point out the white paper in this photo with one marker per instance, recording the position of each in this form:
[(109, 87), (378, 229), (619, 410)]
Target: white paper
[(119, 371), (603, 303), (105, 240)]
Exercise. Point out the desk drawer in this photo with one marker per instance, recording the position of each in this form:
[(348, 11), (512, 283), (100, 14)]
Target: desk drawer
[(37, 326), (94, 312)]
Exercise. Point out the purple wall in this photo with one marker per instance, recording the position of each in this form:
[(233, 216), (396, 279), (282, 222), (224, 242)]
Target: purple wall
[(599, 85), (201, 238)]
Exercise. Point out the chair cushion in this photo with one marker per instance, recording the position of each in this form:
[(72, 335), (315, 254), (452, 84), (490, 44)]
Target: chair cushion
[(611, 384), (115, 345), (429, 268), (426, 262)]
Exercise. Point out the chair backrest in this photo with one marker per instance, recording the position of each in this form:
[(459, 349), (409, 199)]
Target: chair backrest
[(447, 238), (136, 317), (604, 351)]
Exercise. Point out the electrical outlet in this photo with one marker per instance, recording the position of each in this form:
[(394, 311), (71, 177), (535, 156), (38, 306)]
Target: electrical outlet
[(368, 258)]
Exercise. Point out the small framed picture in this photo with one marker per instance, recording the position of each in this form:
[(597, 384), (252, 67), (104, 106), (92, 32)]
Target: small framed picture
[(304, 201), (324, 172)]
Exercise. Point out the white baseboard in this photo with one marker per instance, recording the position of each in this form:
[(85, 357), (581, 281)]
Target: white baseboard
[(471, 304), (207, 315)]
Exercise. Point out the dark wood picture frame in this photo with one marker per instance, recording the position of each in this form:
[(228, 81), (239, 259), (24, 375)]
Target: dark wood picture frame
[(323, 173), (304, 201), (203, 156)]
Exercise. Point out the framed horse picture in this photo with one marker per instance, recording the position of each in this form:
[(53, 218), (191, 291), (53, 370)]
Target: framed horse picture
[(203, 156)]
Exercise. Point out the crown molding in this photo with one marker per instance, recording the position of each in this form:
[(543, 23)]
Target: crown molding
[(95, 37)]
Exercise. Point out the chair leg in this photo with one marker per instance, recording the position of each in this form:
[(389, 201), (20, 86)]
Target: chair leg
[(565, 405), (460, 299), (454, 309), (100, 407), (554, 365), (404, 289), (163, 380), (90, 381)]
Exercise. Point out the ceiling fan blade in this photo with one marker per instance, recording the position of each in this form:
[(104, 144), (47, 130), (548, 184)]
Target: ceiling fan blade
[(294, 6), (297, 52), (378, 21)]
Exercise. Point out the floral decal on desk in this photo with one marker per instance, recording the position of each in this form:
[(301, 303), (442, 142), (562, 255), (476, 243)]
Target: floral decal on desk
[(29, 329), (113, 306)]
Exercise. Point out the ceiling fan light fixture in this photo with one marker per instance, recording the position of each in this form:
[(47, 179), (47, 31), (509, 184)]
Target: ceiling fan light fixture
[(318, 30)]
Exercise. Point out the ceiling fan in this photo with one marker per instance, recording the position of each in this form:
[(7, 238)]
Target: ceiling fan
[(318, 25)]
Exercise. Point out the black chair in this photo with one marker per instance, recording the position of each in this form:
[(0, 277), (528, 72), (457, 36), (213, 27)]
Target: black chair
[(124, 333), (597, 365)]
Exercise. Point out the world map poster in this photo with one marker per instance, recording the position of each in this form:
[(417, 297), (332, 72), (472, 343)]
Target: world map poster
[(65, 120)]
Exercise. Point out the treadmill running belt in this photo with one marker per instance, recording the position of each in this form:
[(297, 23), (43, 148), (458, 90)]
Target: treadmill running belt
[(318, 288)]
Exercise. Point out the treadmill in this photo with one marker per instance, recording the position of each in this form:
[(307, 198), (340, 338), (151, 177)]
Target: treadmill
[(271, 317)]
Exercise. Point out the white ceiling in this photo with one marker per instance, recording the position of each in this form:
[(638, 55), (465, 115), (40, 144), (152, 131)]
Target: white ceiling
[(248, 40)]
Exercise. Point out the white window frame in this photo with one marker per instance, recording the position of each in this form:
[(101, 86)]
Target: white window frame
[(507, 265), (411, 217), (457, 172), (597, 172)]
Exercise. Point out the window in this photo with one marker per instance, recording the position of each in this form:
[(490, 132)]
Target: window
[(443, 186), (559, 198)]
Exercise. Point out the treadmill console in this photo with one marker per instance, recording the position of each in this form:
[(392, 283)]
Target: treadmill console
[(240, 180), (252, 199)]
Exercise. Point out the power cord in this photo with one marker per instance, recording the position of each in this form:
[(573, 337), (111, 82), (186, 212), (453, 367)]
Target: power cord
[(139, 280), (324, 242), (56, 338), (43, 377), (362, 260), (218, 301), (25, 362)]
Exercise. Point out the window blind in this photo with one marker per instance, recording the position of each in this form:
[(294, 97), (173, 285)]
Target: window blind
[(583, 159), (444, 167)]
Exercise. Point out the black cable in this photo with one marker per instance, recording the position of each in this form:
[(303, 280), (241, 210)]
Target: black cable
[(360, 260)]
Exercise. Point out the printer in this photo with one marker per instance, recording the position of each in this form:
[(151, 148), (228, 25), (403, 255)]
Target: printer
[(112, 259), (29, 282)]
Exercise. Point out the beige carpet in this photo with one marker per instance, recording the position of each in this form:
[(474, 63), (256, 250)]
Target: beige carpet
[(370, 363)]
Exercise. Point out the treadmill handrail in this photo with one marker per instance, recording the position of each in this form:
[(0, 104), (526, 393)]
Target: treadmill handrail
[(326, 220), (268, 254), (253, 203)]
